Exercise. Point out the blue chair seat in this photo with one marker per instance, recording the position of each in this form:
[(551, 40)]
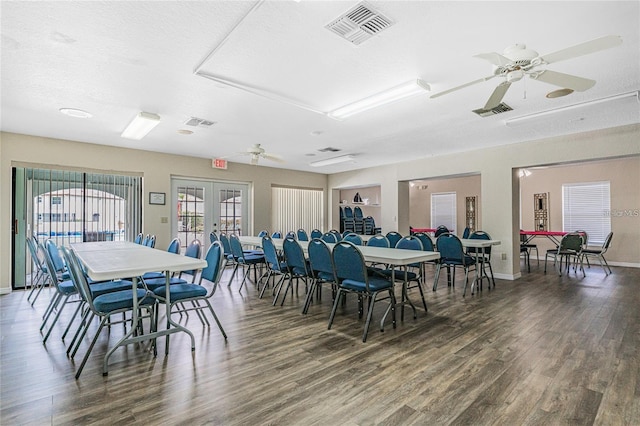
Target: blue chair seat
[(325, 276), (375, 284), (181, 291), (152, 275), (467, 261), (67, 287), (399, 274), (252, 259), (121, 300), (99, 289)]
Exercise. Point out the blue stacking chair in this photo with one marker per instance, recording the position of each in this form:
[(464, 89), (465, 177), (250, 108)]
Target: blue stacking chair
[(353, 238), (316, 233), (246, 260), (296, 265), (180, 294), (452, 255), (194, 250), (104, 306), (173, 247), (302, 235), (409, 273), (393, 238), (213, 237), (352, 271), (322, 270), (275, 267), (329, 237)]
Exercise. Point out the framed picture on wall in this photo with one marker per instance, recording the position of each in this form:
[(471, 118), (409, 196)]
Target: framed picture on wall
[(157, 198)]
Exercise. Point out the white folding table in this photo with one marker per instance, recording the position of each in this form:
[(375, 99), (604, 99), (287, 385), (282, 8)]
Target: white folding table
[(111, 260)]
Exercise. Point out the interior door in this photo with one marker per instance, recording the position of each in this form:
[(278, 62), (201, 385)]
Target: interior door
[(231, 208)]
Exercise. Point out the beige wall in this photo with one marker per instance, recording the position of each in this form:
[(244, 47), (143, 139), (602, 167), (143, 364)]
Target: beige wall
[(420, 200), (624, 177), (499, 200), (157, 170)]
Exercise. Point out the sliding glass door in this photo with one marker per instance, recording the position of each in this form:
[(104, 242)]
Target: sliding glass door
[(71, 206)]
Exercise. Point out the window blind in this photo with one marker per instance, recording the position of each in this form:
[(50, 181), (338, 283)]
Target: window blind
[(585, 207), (443, 210), (294, 208)]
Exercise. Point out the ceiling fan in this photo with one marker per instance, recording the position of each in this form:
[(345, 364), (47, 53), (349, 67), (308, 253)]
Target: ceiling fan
[(256, 152), (517, 61)]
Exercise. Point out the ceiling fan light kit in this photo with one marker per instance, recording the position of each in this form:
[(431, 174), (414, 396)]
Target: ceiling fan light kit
[(517, 61), (402, 91), (141, 125)]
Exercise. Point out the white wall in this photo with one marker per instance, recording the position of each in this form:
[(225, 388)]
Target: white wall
[(157, 169), (499, 199)]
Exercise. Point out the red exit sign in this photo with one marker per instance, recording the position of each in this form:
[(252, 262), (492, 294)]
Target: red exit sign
[(219, 163)]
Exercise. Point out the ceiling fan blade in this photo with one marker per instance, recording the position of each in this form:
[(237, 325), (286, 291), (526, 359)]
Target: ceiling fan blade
[(495, 58), (497, 95), (462, 86), (585, 48), (272, 157), (567, 81)]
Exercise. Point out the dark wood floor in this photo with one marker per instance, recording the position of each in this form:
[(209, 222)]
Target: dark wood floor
[(542, 350)]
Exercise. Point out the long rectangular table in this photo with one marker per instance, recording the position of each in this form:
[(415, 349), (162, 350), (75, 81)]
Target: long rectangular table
[(111, 260), (552, 235)]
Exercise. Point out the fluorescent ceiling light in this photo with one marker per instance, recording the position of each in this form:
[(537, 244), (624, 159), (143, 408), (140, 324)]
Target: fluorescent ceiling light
[(512, 122), (141, 125), (334, 160), (405, 90)]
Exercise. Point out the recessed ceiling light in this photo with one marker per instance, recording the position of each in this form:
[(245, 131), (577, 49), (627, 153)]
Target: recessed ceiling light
[(317, 133), (185, 132), (559, 93), (311, 154), (77, 113)]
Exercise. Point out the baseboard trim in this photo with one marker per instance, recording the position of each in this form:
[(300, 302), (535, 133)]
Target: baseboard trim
[(594, 261), (4, 290), (508, 277)]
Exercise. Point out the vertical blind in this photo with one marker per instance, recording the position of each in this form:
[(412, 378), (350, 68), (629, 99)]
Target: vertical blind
[(295, 208), (443, 210), (585, 207)]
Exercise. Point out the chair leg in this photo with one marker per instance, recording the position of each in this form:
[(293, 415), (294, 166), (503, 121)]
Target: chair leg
[(335, 307), (435, 280), (372, 300), (215, 317)]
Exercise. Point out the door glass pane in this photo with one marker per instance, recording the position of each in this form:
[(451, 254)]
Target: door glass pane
[(191, 214), (230, 208)]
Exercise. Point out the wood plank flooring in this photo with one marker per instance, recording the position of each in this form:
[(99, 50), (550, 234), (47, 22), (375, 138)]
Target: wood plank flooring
[(542, 350)]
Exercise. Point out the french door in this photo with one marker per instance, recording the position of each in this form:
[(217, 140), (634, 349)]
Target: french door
[(200, 207)]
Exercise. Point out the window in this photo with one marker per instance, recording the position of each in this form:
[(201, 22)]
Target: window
[(295, 208), (585, 206), (443, 210)]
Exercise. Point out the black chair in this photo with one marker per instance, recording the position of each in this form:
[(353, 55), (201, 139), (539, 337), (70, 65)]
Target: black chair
[(570, 248), (529, 247), (348, 221), (599, 253), (482, 255), (352, 271), (441, 230)]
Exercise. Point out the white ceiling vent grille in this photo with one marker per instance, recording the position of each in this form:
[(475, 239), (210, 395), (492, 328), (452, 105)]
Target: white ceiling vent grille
[(199, 122), (502, 107), (359, 24), (329, 149)]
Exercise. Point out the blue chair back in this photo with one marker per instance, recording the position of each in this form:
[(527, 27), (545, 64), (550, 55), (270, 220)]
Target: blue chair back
[(410, 242), (427, 243), (353, 238), (378, 241), (320, 257), (480, 235), (466, 232), (151, 242), (349, 262), (316, 233), (174, 246), (270, 253), (337, 234), (236, 248), (348, 212), (193, 250), (263, 233), (294, 256), (329, 237), (215, 263), (145, 240), (138, 239), (276, 234), (357, 213), (393, 238), (213, 237), (291, 234), (302, 235), (450, 247), (54, 254), (226, 245)]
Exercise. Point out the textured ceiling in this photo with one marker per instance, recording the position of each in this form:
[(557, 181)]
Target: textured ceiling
[(274, 70)]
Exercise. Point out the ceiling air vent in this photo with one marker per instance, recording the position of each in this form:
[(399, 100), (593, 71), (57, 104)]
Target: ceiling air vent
[(199, 122), (329, 149), (359, 24), (502, 107)]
